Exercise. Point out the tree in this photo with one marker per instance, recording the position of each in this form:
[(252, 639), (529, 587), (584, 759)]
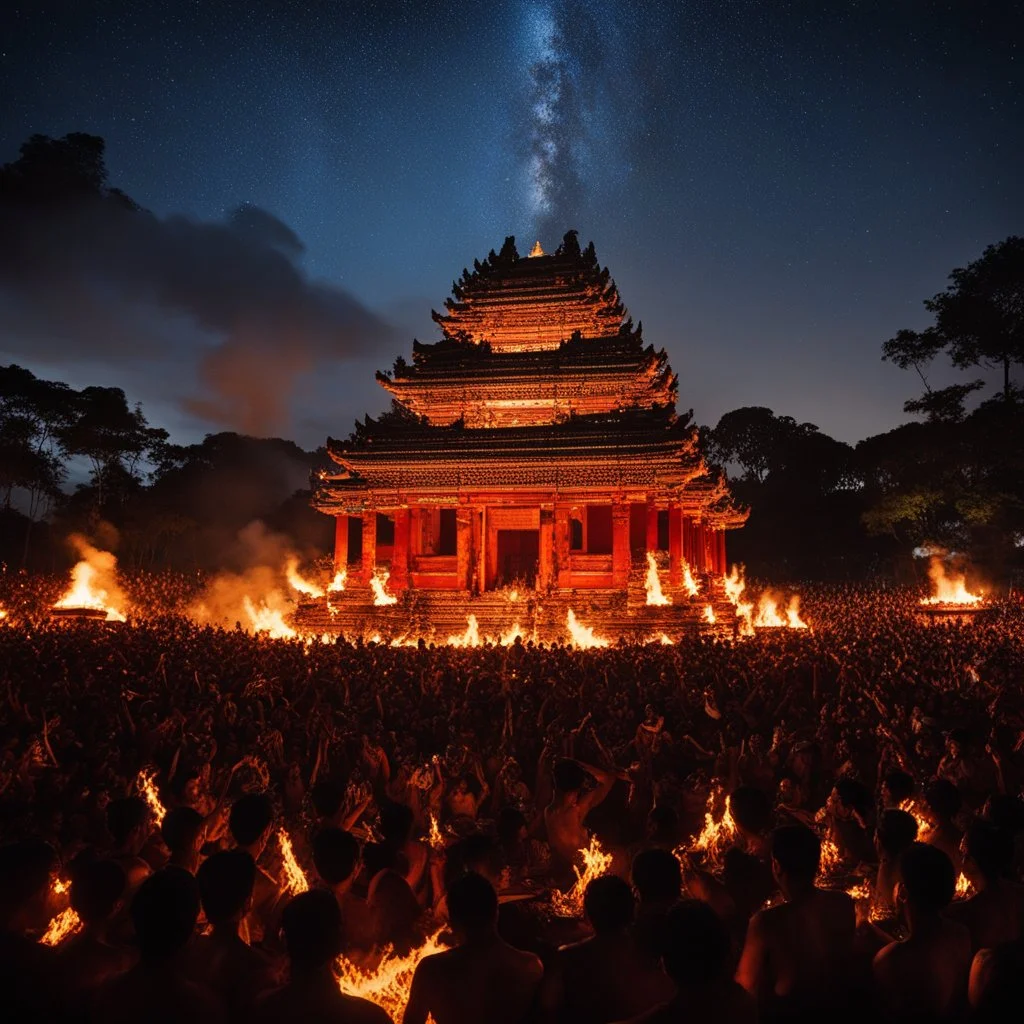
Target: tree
[(979, 319)]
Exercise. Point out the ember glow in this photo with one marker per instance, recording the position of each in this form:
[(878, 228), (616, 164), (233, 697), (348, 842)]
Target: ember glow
[(652, 583), (582, 637), (948, 588), (94, 583), (298, 582), (294, 880), (860, 891), (595, 863), (64, 924), (146, 783), (379, 584), (830, 858), (389, 983)]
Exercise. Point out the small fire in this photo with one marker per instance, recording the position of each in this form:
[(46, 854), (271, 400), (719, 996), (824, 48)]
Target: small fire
[(689, 583), (662, 638), (338, 583), (652, 583), (294, 880), (793, 619), (379, 583), (964, 888), (94, 582), (508, 638), (861, 891), (389, 983), (435, 838), (923, 824), (709, 615), (297, 582), (265, 619), (951, 589), (735, 584), (595, 863), (64, 924), (146, 782), (718, 833), (471, 638), (830, 858), (582, 637)]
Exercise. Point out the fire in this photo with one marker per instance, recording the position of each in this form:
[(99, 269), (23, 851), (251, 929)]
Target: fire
[(709, 615), (861, 891), (964, 888), (471, 638), (768, 613), (64, 924), (663, 638), (923, 824), (595, 863), (951, 589), (830, 858), (435, 838), (297, 582), (265, 619), (94, 583), (294, 877), (718, 833), (147, 789), (652, 583), (389, 983), (581, 636), (689, 583), (793, 619), (379, 582), (734, 584), (338, 583), (508, 638)]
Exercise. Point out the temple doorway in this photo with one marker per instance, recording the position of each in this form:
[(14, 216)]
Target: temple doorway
[(518, 554)]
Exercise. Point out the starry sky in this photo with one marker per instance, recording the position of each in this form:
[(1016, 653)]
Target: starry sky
[(775, 186)]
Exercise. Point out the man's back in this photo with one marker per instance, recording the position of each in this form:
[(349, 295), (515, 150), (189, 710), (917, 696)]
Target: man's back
[(993, 916), (156, 995), (318, 1001)]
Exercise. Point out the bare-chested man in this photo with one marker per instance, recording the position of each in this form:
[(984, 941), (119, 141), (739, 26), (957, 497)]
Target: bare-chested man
[(564, 817), (924, 978), (795, 958), (481, 979)]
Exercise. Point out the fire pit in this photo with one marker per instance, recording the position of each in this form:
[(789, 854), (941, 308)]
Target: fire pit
[(93, 614), (953, 614)]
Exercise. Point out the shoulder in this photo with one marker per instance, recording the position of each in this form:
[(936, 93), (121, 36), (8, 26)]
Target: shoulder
[(362, 1011)]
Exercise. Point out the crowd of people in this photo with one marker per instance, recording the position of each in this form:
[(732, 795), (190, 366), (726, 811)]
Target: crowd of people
[(798, 824)]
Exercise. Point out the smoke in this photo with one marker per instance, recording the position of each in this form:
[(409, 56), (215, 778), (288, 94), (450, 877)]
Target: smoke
[(224, 306)]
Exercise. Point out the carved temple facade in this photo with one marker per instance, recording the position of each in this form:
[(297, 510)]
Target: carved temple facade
[(536, 444)]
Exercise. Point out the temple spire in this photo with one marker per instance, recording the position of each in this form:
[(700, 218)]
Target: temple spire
[(537, 249)]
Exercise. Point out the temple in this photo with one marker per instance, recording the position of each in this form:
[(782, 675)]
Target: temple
[(535, 446)]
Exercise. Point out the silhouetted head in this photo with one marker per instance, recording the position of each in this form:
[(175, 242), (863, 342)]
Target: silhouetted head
[(312, 930), (796, 854), (895, 832), (226, 882), (568, 777), (327, 797), (609, 904), (927, 877), (396, 821), (695, 944), (472, 904), (164, 912), (663, 825), (751, 810), (943, 799), (96, 889), (988, 849), (853, 797), (511, 826), (657, 877), (477, 853), (335, 855), (128, 822), (251, 818), (897, 786), (182, 830)]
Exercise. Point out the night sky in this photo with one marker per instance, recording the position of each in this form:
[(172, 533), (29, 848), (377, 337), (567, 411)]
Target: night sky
[(775, 187)]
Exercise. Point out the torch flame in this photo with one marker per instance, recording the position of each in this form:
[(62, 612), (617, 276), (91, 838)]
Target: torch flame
[(652, 583), (297, 582), (595, 863), (582, 637), (964, 888), (948, 589), (92, 580), (378, 583), (147, 789), (389, 983), (294, 880), (436, 839)]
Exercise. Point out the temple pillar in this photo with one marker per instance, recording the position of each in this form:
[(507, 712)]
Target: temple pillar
[(722, 567), (340, 543), (546, 549), (561, 545), (620, 544), (369, 544), (400, 553), (675, 545), (463, 546), (652, 526), (700, 547)]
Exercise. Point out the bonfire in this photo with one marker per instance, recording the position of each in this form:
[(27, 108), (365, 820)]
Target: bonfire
[(595, 863), (94, 585), (949, 589), (652, 583)]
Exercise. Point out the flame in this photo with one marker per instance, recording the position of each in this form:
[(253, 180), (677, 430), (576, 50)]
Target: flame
[(389, 983), (861, 891), (64, 924), (435, 838), (768, 613), (595, 863), (379, 582), (338, 583), (652, 584), (689, 583), (265, 619), (964, 888), (148, 791), (793, 619), (718, 833), (709, 615), (662, 638), (513, 595), (508, 638), (294, 877), (734, 584), (830, 858), (303, 586), (471, 638), (950, 589), (581, 636), (92, 581), (924, 826)]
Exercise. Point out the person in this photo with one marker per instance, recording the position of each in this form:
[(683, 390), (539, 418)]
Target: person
[(943, 802), (795, 955), (221, 961), (996, 984), (995, 913), (564, 817), (312, 928), (924, 977), (128, 821), (606, 977), (336, 860), (157, 989), (696, 953), (896, 831), (482, 978), (658, 881), (250, 823), (182, 832)]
